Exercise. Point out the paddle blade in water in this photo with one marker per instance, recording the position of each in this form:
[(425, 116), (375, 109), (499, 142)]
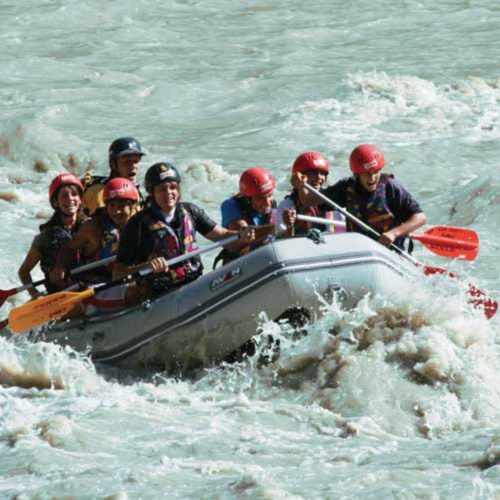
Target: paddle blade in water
[(477, 297), (5, 294)]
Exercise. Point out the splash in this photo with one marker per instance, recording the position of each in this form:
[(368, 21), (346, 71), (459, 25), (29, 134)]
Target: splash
[(45, 366)]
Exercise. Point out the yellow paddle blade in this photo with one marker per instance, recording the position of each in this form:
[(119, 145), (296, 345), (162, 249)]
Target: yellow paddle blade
[(43, 309)]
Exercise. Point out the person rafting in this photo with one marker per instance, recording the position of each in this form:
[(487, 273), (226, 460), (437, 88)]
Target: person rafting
[(65, 196), (166, 228), (315, 168), (98, 238), (125, 155), (374, 198), (253, 205)]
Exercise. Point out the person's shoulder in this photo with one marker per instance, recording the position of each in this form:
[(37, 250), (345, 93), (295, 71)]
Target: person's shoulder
[(190, 207), (394, 184), (229, 203), (340, 184)]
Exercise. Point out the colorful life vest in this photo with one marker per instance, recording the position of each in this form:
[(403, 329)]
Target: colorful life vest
[(372, 210), (107, 246), (303, 227), (169, 242), (110, 238)]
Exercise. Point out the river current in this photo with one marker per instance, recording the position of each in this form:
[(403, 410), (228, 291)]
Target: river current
[(403, 402)]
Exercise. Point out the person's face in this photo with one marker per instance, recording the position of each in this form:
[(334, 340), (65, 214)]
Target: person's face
[(262, 203), (167, 195), (128, 166), (68, 200), (369, 181), (119, 211), (316, 178)]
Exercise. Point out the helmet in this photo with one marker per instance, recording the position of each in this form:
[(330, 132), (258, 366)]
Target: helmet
[(65, 179), (366, 158), (311, 160), (124, 146), (120, 188), (256, 181), (159, 173)]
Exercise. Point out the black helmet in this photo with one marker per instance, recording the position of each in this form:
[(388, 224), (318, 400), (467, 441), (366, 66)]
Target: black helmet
[(124, 146), (159, 173)]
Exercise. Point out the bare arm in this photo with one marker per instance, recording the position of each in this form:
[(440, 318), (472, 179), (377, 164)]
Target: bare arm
[(412, 224), (246, 233), (31, 260)]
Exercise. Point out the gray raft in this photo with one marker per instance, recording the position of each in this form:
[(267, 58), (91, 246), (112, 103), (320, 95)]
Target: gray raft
[(203, 322)]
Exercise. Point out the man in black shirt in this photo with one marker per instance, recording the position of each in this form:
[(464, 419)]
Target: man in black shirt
[(165, 229)]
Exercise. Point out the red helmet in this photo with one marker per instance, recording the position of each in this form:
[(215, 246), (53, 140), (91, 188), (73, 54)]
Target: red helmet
[(311, 160), (119, 188), (256, 181), (65, 179), (366, 158)]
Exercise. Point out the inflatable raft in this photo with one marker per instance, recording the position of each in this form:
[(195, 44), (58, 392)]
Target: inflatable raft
[(207, 320)]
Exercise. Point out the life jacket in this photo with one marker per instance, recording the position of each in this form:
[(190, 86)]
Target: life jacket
[(55, 235), (303, 227), (110, 238), (252, 219), (107, 246), (173, 239), (373, 209), (92, 198)]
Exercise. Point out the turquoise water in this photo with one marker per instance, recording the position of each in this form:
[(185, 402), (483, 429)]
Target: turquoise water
[(216, 87)]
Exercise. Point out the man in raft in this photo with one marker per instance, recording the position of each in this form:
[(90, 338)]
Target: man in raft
[(166, 228), (125, 155), (253, 205), (315, 167)]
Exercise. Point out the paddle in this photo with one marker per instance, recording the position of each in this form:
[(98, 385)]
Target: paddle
[(451, 242), (447, 241), (5, 294), (56, 305), (479, 298)]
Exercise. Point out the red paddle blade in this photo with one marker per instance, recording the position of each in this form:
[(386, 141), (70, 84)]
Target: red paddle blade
[(478, 298), (451, 242), (5, 294)]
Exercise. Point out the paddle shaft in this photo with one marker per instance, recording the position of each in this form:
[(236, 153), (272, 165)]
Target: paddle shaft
[(86, 267), (360, 223), (321, 220), (423, 238)]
